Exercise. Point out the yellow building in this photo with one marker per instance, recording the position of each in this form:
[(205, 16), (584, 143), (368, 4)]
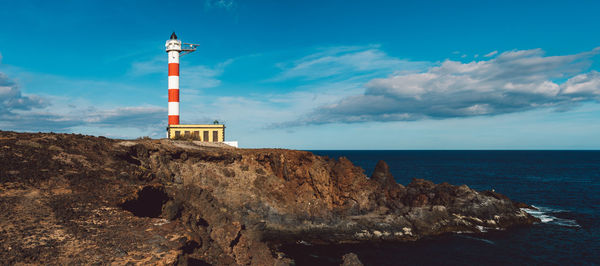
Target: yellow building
[(208, 133)]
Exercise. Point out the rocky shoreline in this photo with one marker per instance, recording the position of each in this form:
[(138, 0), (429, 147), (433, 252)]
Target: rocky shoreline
[(68, 198)]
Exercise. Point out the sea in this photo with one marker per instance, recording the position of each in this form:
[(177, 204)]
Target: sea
[(563, 185)]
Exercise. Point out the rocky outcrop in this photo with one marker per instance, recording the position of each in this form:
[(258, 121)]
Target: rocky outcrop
[(351, 259), (80, 199)]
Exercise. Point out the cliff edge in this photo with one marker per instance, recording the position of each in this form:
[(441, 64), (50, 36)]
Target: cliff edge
[(68, 198)]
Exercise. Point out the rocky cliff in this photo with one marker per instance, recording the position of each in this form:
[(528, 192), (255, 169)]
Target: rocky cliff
[(79, 199)]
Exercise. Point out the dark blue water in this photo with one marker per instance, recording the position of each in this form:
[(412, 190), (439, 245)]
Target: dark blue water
[(565, 185)]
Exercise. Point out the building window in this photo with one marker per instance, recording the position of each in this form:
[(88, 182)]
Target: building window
[(205, 136), (186, 134), (215, 136), (197, 135), (177, 133)]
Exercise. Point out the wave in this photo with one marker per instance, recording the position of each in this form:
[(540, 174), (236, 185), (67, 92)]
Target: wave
[(545, 214), (478, 239)]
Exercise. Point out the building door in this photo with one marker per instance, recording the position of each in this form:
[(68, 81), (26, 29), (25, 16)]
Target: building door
[(177, 134), (215, 136), (197, 135), (205, 136)]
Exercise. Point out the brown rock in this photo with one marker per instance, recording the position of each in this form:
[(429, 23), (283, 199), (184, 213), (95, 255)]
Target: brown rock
[(382, 174), (522, 205), (351, 259), (84, 200), (420, 201)]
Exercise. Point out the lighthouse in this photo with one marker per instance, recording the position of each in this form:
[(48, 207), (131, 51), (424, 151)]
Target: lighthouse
[(173, 49), (204, 132)]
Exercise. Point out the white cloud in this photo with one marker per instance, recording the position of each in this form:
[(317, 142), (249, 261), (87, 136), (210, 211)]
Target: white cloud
[(137, 116), (29, 112), (154, 66), (257, 111), (343, 62), (12, 99), (194, 76), (583, 84), (222, 4), (490, 54), (514, 81), (59, 119), (201, 77)]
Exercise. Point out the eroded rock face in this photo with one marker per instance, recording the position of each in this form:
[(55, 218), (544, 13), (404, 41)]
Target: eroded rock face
[(80, 199)]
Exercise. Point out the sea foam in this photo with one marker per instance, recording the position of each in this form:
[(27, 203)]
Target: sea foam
[(478, 239), (545, 215)]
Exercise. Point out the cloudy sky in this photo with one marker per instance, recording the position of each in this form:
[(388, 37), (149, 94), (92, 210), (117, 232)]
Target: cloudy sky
[(310, 74)]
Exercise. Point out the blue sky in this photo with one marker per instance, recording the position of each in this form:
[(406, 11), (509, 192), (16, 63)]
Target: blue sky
[(310, 74)]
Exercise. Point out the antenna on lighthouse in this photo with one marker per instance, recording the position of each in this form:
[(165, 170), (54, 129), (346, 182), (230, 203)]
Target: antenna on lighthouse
[(187, 48)]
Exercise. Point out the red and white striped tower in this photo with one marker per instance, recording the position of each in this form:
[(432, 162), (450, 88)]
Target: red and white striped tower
[(173, 49)]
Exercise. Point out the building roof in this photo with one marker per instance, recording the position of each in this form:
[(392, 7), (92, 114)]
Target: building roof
[(198, 126)]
